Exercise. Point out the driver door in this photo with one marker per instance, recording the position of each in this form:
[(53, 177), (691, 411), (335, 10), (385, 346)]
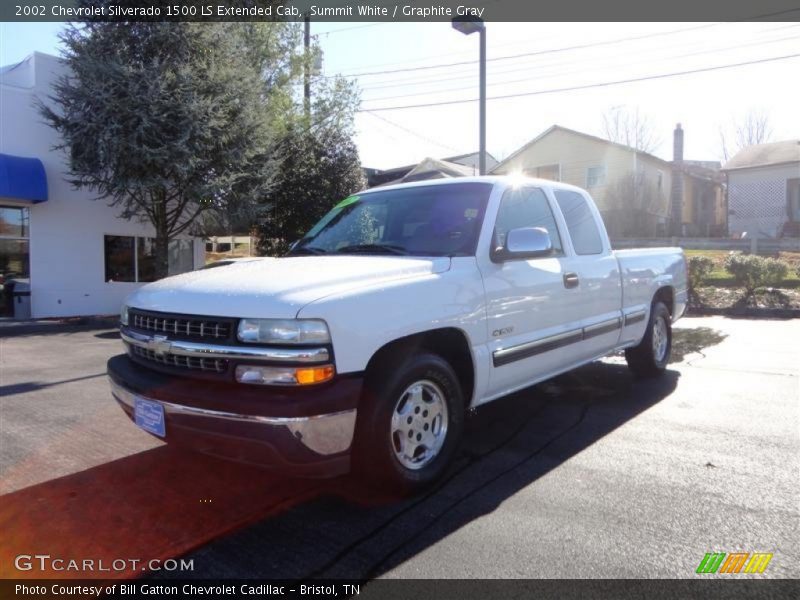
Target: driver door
[(532, 314)]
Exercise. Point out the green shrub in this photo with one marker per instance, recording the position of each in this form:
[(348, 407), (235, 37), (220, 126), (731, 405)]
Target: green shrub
[(777, 270), (700, 268), (753, 272)]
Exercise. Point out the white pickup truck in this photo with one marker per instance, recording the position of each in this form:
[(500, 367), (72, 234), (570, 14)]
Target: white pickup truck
[(402, 308)]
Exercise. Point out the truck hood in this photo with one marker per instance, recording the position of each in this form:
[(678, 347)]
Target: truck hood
[(276, 287)]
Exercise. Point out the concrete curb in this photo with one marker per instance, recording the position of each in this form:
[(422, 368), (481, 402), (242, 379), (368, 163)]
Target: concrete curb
[(55, 326), (746, 312)]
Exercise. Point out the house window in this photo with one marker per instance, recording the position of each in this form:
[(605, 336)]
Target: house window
[(660, 180), (551, 172), (595, 176), (132, 259)]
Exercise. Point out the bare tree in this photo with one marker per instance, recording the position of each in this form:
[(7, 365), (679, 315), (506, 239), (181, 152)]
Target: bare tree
[(752, 128), (633, 207), (630, 127)]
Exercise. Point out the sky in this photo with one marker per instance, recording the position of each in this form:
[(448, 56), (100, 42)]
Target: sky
[(402, 64)]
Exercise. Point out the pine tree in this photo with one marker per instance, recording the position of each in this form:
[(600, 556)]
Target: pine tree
[(168, 122)]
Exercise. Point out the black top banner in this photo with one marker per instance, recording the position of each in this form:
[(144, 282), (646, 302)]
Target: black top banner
[(389, 11)]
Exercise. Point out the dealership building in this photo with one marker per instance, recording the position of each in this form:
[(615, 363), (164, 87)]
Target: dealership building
[(62, 252)]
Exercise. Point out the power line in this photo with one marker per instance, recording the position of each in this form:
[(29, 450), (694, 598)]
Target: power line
[(587, 86), (582, 70), (538, 52), (433, 79), (343, 72), (414, 133), (343, 29)]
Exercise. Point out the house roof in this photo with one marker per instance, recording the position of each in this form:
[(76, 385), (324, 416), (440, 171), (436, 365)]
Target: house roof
[(764, 155), (433, 168), (553, 128), (698, 170), (449, 159), (459, 157)]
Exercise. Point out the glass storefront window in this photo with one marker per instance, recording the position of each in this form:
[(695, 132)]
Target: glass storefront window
[(14, 259), (181, 256), (146, 254), (14, 221), (132, 259), (120, 258), (14, 256)]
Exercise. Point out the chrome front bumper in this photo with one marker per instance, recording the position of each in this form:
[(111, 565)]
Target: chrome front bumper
[(299, 444)]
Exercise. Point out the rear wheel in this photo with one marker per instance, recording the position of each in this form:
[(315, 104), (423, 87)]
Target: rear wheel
[(651, 356), (409, 422)]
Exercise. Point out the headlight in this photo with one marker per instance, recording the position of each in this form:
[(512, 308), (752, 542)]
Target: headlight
[(283, 331), (123, 314)]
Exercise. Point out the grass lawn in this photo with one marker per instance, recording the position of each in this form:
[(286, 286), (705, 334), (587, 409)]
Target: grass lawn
[(719, 277)]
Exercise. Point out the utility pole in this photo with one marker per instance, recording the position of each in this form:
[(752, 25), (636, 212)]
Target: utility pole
[(307, 70)]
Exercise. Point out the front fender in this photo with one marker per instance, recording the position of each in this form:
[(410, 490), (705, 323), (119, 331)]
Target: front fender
[(363, 321)]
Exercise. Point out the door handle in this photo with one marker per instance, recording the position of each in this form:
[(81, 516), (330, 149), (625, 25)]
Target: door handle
[(571, 280)]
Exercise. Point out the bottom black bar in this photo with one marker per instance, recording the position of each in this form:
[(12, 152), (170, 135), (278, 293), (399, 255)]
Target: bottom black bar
[(704, 586)]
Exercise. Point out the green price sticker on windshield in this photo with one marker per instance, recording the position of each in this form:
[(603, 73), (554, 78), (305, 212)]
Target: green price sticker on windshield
[(347, 201)]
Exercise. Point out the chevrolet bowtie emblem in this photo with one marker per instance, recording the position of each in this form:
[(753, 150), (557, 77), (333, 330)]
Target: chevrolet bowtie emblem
[(159, 344)]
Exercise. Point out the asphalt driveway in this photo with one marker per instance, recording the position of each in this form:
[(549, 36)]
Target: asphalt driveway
[(594, 474)]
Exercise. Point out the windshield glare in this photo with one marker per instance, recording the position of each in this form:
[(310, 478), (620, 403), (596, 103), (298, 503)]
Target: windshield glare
[(441, 220)]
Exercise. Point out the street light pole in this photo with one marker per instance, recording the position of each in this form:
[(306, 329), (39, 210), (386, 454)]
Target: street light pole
[(467, 26), (482, 143)]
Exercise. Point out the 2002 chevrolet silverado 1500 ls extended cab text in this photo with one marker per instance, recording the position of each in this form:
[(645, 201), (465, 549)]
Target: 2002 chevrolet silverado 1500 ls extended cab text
[(402, 308)]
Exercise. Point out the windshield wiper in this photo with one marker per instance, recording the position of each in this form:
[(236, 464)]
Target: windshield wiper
[(306, 250), (367, 248)]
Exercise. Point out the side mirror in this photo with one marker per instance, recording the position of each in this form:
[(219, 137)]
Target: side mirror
[(525, 242)]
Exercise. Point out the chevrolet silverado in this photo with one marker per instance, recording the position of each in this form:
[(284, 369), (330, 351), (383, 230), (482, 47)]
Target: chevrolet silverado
[(401, 309)]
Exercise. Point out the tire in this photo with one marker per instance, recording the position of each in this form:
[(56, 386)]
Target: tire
[(409, 425), (651, 356)]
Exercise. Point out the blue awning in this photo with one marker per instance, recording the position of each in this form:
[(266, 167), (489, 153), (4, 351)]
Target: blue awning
[(22, 178)]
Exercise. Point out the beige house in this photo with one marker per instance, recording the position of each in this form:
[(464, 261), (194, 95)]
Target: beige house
[(631, 188)]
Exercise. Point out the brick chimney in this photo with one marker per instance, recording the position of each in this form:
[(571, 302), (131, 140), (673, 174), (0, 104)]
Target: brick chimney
[(676, 190)]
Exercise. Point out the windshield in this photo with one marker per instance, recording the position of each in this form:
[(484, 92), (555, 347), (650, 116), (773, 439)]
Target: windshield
[(440, 220)]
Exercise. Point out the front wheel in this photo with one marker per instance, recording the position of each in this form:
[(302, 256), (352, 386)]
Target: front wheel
[(409, 422), (651, 356)]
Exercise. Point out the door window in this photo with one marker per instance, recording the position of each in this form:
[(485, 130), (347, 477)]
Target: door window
[(525, 207)]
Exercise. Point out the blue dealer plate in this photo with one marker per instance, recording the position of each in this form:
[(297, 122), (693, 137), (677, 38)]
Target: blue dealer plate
[(149, 416)]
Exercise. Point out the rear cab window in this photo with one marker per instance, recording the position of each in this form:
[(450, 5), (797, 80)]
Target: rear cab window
[(581, 223)]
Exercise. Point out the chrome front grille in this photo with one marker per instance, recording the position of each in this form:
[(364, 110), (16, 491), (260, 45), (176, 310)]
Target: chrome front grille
[(212, 365), (179, 326)]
